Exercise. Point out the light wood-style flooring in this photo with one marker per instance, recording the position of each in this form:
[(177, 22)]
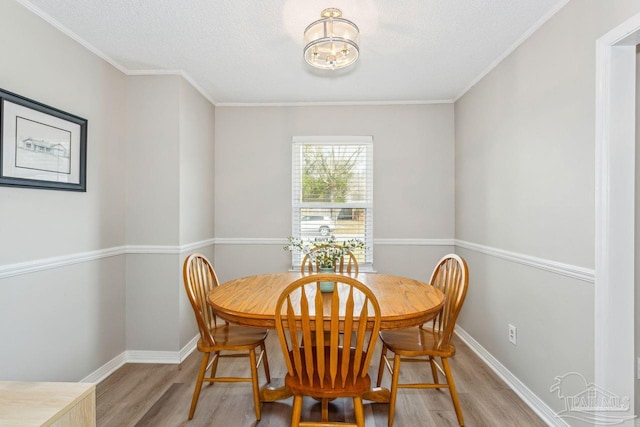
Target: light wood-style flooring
[(160, 395)]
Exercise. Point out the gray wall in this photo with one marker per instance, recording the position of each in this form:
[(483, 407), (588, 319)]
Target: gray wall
[(108, 262), (413, 180), (153, 155), (63, 323), (153, 184), (525, 174), (197, 134), (169, 203), (196, 200)]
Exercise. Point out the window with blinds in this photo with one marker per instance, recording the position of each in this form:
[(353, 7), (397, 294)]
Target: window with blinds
[(332, 183)]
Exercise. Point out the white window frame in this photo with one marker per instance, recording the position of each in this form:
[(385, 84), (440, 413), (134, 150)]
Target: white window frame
[(296, 189)]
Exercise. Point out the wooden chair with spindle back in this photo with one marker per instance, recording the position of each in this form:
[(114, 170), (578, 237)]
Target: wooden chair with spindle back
[(199, 280), (329, 369), (451, 277), (347, 264)]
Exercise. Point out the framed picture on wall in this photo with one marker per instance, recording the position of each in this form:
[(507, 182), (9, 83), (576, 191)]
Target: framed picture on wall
[(40, 146)]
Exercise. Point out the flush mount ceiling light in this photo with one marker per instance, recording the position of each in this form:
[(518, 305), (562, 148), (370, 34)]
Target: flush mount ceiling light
[(331, 42)]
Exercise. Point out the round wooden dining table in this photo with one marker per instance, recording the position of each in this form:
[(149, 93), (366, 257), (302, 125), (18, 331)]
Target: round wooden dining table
[(251, 301)]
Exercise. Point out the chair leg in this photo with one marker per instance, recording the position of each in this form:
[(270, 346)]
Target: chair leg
[(434, 370), (452, 390), (214, 365), (254, 381), (265, 362), (296, 411), (358, 411), (381, 367), (394, 389), (325, 410), (196, 392)]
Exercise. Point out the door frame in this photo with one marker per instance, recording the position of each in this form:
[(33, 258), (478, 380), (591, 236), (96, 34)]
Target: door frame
[(614, 338)]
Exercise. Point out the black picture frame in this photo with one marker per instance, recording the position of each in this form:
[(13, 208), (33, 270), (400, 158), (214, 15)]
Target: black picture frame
[(41, 146)]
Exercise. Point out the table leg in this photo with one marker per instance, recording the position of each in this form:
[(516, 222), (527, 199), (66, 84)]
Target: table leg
[(378, 395), (271, 393)]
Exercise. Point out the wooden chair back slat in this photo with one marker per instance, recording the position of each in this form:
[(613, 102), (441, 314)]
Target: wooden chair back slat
[(351, 307), (291, 320), (451, 277), (346, 341), (283, 343), (306, 334), (319, 326), (199, 280), (359, 367), (334, 337), (347, 264)]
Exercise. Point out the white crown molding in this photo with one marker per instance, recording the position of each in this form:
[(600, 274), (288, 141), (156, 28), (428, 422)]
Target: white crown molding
[(63, 29), (530, 398), (573, 271), (139, 356), (56, 24), (334, 139), (414, 242), (535, 27), (331, 104), (180, 73), (141, 72), (100, 54)]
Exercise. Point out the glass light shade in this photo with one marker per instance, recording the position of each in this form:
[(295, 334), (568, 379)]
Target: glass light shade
[(331, 42)]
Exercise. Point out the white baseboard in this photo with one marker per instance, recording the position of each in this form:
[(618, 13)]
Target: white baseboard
[(547, 414), (107, 369), (141, 356), (144, 356), (188, 348)]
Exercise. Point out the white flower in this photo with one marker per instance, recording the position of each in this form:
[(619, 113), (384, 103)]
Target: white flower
[(324, 251)]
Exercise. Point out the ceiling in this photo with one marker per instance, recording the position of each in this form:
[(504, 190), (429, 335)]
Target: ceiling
[(247, 51)]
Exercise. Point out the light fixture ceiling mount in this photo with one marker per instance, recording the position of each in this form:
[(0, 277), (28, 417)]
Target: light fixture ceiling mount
[(331, 42)]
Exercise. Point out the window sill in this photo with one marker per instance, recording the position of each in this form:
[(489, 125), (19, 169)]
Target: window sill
[(363, 269)]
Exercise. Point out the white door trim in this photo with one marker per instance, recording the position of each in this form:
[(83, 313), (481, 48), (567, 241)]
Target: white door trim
[(615, 194)]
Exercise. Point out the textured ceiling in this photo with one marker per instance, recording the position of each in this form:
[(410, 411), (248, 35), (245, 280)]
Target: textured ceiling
[(247, 51)]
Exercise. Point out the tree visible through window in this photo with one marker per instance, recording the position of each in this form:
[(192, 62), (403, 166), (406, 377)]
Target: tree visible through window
[(329, 171), (333, 190)]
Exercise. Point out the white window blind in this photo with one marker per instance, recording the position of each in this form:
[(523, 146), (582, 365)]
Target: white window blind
[(332, 191)]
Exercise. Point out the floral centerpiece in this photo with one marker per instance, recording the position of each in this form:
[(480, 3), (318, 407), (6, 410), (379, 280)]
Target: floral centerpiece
[(325, 252)]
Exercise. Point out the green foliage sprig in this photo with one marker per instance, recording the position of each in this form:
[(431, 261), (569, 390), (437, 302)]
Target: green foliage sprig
[(326, 252)]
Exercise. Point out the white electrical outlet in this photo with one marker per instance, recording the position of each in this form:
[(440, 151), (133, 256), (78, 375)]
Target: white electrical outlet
[(513, 335)]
